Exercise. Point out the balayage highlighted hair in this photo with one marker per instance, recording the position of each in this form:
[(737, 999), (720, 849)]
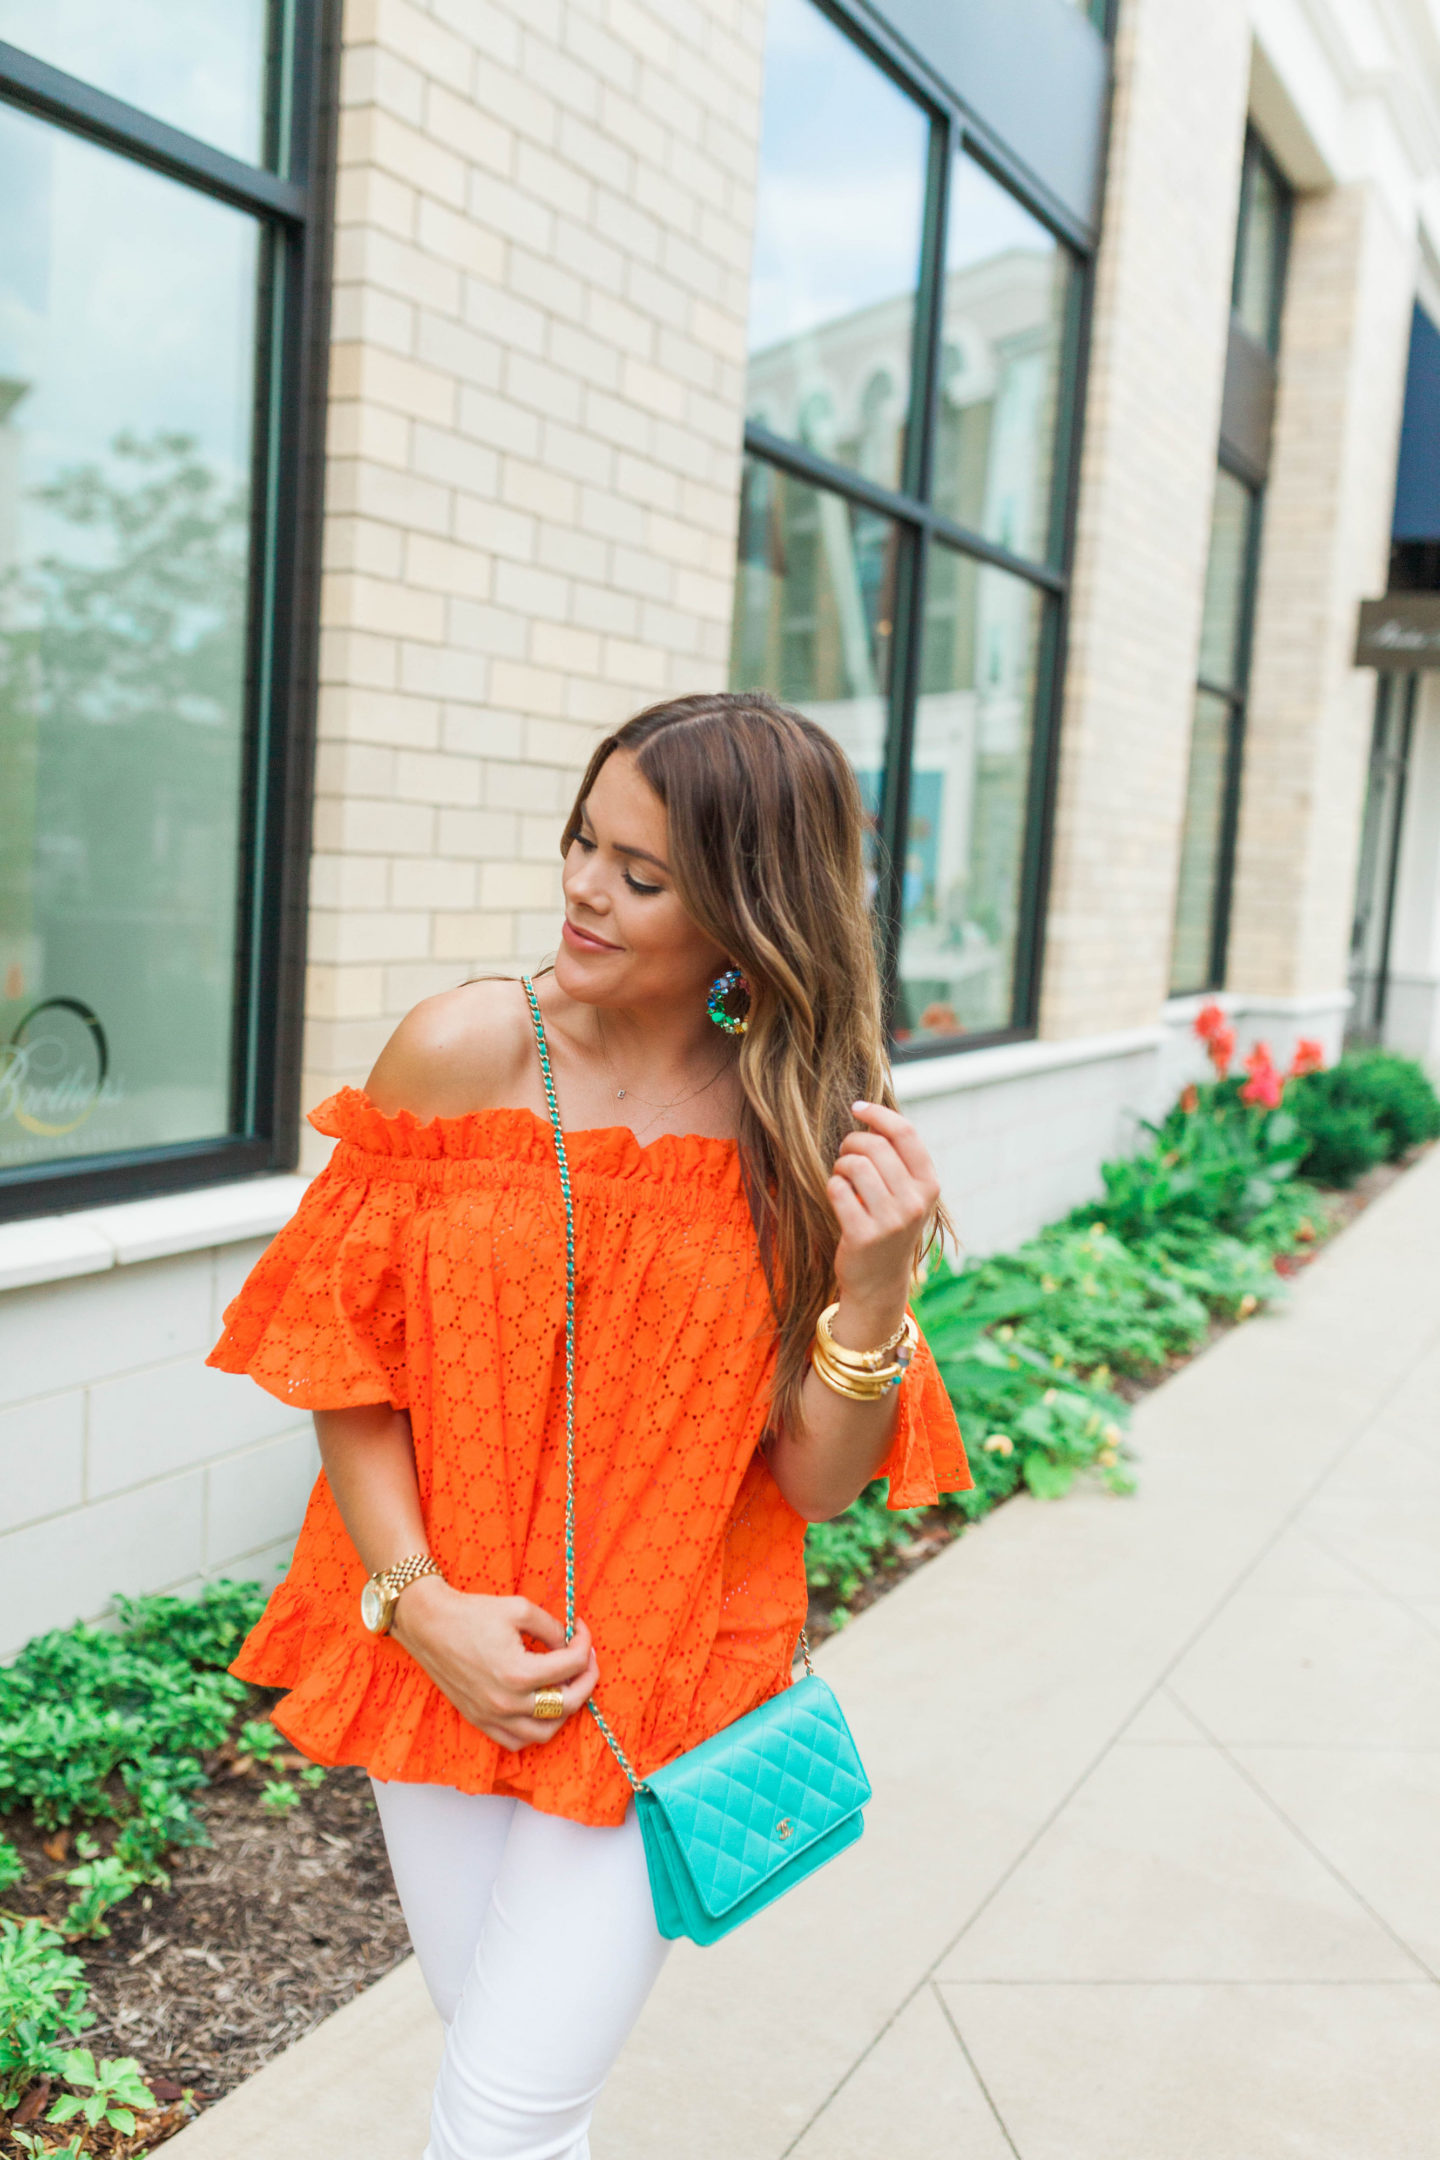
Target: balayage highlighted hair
[(766, 840)]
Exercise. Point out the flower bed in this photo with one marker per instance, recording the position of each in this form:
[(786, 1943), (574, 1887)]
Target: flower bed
[(1044, 1349), (181, 1896)]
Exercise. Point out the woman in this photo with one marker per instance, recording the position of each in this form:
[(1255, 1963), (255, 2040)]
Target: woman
[(712, 1017)]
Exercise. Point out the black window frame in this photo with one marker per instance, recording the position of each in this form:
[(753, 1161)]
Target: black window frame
[(1251, 471), (954, 129), (291, 198), (1234, 696), (1257, 157)]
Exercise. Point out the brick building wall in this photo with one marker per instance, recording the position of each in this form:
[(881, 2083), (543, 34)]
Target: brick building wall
[(542, 259), (1325, 543), (1157, 361), (534, 441)]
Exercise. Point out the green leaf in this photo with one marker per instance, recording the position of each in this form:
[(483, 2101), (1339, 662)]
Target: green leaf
[(1046, 1478)]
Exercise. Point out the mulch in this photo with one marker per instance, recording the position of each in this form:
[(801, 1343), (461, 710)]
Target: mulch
[(262, 1933), (283, 1919)]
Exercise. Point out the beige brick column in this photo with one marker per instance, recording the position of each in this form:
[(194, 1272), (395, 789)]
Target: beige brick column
[(1152, 421), (542, 259), (1327, 515)]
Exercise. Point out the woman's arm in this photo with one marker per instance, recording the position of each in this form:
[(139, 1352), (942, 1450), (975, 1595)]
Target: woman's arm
[(883, 1191), (471, 1646)]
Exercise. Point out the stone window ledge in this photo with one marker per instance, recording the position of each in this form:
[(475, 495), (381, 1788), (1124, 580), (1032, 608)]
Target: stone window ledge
[(48, 1248), (920, 1078)]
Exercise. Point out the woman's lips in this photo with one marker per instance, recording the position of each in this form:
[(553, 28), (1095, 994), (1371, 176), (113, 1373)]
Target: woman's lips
[(585, 940)]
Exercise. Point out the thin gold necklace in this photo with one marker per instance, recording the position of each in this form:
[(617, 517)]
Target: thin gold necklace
[(623, 1094)]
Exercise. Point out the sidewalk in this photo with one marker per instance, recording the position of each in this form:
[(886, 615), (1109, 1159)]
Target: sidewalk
[(1152, 1870)]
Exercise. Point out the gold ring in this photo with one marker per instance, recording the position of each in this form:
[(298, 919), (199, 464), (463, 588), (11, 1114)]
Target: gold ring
[(549, 1703)]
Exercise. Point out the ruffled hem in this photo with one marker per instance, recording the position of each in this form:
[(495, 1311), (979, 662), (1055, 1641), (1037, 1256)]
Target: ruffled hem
[(356, 1700), (927, 1454)]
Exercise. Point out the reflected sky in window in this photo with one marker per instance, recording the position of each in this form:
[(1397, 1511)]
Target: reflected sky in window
[(200, 65), (837, 246)]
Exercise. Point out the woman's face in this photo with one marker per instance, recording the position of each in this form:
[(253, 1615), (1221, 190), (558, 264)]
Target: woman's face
[(627, 940)]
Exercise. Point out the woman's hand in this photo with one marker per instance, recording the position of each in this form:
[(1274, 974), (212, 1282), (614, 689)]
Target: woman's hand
[(883, 1191), (473, 1649)]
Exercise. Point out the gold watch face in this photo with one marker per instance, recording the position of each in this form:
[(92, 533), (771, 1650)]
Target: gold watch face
[(372, 1608)]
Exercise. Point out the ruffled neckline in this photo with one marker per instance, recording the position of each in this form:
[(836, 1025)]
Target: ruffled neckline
[(519, 1135)]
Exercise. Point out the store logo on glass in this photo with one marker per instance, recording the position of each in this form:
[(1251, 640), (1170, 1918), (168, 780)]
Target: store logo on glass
[(54, 1070)]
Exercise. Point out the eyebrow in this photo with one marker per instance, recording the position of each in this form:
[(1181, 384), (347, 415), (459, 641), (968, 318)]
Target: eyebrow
[(621, 848)]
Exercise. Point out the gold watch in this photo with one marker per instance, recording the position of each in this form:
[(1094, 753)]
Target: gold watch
[(380, 1595)]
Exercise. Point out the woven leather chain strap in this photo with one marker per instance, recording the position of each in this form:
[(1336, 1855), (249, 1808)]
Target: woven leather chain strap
[(636, 1784)]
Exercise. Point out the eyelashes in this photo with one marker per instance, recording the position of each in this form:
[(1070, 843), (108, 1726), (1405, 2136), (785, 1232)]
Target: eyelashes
[(645, 891)]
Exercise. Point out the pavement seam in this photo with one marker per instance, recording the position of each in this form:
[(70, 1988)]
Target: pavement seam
[(1202, 1627), (990, 2101), (1372, 1583)]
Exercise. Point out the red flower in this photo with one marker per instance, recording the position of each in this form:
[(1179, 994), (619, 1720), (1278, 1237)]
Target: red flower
[(1209, 1022), (1222, 1049), (1190, 1099), (1309, 1057), (1264, 1085)]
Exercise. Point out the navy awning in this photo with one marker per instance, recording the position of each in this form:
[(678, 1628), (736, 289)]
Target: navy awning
[(1417, 481)]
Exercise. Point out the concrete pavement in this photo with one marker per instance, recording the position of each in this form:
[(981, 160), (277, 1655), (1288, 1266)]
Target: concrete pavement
[(1151, 1871)]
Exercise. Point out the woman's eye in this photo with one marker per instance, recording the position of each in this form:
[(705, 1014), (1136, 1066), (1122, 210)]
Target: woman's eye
[(635, 885)]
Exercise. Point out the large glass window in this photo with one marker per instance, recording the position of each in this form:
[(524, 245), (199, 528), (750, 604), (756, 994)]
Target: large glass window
[(1006, 305), (911, 360), (200, 66), (836, 261), (1197, 960), (146, 440), (969, 783), (1207, 844), (814, 611), (1261, 241)]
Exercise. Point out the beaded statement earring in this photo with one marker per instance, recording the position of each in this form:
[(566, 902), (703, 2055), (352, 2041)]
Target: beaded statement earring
[(724, 986)]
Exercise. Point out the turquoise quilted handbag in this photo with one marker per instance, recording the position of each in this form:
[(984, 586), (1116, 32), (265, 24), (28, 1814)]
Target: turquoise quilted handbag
[(734, 1823)]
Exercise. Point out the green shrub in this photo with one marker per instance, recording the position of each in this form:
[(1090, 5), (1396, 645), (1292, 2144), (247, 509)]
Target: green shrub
[(42, 2002), (840, 1554), (1372, 1107), (204, 1631), (101, 1724), (1223, 1163), (110, 2091), (1079, 1295), (102, 1883)]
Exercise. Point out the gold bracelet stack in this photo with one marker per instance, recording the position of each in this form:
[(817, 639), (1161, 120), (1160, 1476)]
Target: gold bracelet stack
[(862, 1375)]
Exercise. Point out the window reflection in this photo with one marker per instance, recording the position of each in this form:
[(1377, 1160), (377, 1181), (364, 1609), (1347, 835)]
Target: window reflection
[(837, 247), (969, 785), (1191, 954), (200, 65), (127, 326), (1260, 247), (814, 607), (1225, 575), (1006, 296)]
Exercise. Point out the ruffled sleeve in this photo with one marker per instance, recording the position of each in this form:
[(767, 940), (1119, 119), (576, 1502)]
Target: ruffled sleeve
[(927, 1455), (320, 1319)]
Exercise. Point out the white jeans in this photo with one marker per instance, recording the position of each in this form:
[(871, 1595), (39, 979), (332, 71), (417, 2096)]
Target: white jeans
[(538, 1944)]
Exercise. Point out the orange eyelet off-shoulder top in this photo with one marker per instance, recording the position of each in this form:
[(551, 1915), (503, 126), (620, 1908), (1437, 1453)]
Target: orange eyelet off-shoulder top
[(426, 1268)]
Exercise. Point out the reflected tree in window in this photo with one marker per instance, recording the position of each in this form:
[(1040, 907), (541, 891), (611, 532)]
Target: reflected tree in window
[(121, 692)]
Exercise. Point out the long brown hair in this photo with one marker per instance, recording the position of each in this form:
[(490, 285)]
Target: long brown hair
[(766, 839)]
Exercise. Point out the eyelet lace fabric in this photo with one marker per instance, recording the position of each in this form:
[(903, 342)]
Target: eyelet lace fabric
[(425, 1268)]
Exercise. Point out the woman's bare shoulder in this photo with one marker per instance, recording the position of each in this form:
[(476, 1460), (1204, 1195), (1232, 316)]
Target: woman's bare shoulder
[(466, 1049)]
